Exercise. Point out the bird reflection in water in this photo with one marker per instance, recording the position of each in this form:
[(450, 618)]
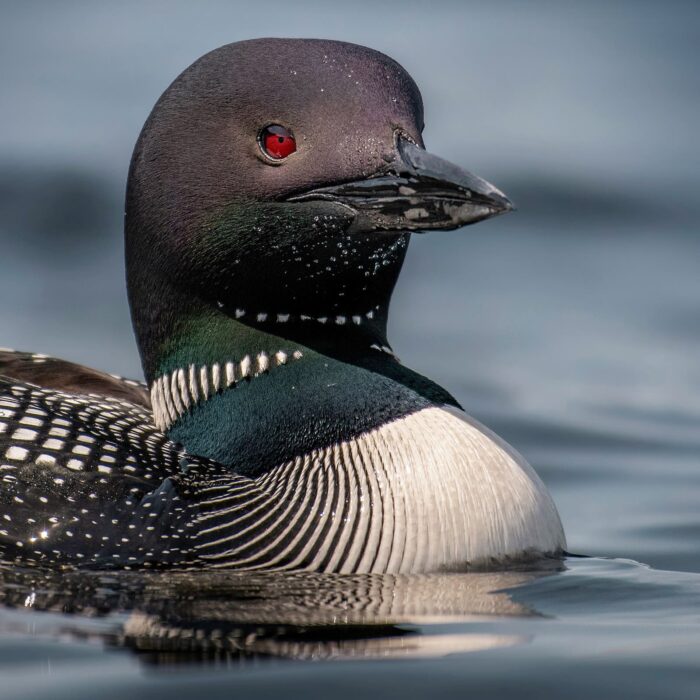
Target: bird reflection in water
[(237, 618)]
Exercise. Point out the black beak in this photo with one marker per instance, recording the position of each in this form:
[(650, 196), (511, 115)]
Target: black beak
[(418, 192)]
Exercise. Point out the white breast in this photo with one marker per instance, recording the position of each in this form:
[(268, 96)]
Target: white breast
[(459, 494), (430, 490)]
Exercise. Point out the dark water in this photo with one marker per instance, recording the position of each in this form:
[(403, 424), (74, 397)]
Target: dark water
[(571, 327)]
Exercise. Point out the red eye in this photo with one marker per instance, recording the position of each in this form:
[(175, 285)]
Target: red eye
[(277, 142)]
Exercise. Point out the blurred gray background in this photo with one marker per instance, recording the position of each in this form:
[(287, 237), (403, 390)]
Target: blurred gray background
[(571, 326)]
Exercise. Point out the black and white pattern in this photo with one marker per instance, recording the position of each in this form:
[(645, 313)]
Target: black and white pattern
[(356, 319), (176, 392), (427, 490), (89, 480), (84, 479)]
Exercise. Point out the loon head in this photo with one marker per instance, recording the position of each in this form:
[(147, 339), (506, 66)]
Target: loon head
[(275, 185)]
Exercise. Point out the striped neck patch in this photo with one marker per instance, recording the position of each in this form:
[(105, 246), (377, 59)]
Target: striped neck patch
[(175, 393)]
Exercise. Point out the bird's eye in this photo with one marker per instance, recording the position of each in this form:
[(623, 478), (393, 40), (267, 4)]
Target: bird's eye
[(277, 142)]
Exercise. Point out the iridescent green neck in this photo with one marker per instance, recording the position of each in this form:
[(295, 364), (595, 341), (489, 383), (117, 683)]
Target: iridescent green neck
[(249, 397)]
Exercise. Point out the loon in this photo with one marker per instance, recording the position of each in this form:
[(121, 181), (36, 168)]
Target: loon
[(270, 201)]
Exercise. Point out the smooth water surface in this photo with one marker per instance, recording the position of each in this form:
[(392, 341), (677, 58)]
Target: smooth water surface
[(577, 630), (571, 327)]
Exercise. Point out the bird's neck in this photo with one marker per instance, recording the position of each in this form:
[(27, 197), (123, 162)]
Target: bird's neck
[(202, 336), (253, 393)]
